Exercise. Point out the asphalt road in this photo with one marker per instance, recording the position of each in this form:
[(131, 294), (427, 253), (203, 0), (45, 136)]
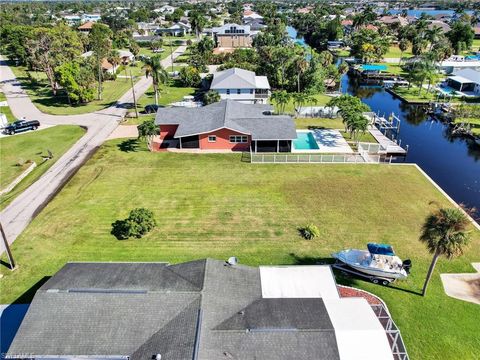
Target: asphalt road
[(99, 125)]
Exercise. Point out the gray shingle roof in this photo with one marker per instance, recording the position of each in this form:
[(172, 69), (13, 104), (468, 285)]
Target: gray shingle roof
[(248, 119), (233, 78), (207, 321)]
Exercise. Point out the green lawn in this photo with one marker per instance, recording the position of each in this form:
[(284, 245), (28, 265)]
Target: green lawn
[(413, 95), (168, 94), (394, 52), (16, 150), (362, 137), (217, 206), (322, 100), (42, 97), (318, 123), (6, 109)]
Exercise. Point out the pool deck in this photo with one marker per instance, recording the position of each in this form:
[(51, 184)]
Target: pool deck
[(329, 141)]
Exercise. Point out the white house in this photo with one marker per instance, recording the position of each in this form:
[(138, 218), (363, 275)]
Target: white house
[(241, 85), (165, 9), (458, 62), (466, 82)]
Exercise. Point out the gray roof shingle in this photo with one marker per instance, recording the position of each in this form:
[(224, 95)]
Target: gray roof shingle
[(251, 119), (208, 319)]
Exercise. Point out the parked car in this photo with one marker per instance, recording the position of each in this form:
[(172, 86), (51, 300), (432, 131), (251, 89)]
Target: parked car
[(151, 109), (20, 126)]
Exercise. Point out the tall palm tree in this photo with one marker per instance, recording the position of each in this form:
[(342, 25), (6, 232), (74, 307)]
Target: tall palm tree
[(302, 65), (281, 99), (444, 233), (433, 34), (153, 67), (114, 59), (197, 21)]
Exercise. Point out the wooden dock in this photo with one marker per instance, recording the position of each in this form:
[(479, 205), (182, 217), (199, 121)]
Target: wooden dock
[(388, 146)]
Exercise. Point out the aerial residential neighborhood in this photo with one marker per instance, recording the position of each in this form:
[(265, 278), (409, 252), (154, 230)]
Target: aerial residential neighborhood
[(240, 180)]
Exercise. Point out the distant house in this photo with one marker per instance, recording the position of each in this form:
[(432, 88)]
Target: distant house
[(226, 125), (442, 25), (241, 85), (256, 25), (249, 14), (177, 29), (232, 36), (476, 31), (458, 62), (86, 27), (466, 82), (202, 310), (393, 20), (146, 29), (165, 9)]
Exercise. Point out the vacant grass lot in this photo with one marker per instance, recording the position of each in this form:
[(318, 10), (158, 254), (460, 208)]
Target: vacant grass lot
[(42, 97), (16, 150), (394, 52), (218, 206), (318, 123)]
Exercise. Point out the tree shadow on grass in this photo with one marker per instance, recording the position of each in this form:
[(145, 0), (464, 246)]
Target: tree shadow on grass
[(130, 145)]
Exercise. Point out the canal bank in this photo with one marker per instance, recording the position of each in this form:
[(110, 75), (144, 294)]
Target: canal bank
[(452, 162)]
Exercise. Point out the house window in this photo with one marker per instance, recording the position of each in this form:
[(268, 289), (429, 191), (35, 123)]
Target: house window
[(212, 138), (239, 91), (236, 139), (228, 91), (251, 91)]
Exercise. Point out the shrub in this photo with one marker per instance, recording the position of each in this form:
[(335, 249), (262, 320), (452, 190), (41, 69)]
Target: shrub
[(190, 76), (140, 221), (309, 232)]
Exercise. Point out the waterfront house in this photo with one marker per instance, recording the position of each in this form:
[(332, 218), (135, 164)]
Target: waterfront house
[(465, 82), (241, 85), (227, 125), (205, 310)]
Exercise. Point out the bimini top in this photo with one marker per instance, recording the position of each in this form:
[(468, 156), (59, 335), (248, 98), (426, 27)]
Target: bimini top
[(380, 249), (249, 119)]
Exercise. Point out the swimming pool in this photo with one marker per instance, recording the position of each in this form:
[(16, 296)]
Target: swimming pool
[(305, 141)]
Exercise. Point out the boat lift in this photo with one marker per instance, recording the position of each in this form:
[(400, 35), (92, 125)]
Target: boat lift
[(374, 279)]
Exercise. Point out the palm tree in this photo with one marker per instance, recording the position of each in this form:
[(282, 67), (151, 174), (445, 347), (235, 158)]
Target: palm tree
[(114, 59), (147, 131), (301, 65), (433, 35), (403, 46), (153, 67), (444, 233), (281, 99), (197, 20)]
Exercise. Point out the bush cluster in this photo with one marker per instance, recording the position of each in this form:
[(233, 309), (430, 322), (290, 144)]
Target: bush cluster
[(309, 232), (139, 222)]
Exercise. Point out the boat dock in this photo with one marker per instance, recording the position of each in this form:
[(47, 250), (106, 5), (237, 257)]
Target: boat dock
[(390, 126), (388, 146)]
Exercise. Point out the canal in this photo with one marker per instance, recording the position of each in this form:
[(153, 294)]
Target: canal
[(452, 162)]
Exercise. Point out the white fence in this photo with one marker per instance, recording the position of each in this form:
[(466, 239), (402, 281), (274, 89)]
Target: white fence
[(256, 158)]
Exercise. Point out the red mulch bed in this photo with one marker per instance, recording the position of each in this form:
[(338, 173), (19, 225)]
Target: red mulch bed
[(349, 292)]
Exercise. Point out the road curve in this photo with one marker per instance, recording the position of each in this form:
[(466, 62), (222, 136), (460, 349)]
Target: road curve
[(99, 125)]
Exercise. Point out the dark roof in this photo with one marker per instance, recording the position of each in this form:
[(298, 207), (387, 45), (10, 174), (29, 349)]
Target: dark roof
[(205, 320), (251, 119)]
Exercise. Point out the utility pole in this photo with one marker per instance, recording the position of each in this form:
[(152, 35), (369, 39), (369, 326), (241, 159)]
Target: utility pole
[(133, 92), (171, 55), (7, 248)]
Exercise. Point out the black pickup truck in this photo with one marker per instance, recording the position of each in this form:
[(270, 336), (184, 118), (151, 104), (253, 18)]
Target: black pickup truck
[(20, 126)]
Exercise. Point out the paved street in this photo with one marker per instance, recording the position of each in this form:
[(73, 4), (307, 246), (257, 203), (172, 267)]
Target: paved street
[(100, 124)]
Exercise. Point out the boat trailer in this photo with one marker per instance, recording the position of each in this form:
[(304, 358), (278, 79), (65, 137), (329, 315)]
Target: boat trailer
[(374, 279)]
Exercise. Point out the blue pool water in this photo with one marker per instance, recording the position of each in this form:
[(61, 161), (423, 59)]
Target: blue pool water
[(305, 141)]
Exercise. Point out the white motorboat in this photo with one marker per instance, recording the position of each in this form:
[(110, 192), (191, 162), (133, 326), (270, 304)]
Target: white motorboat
[(378, 261)]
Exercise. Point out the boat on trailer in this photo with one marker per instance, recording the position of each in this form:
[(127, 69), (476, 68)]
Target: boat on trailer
[(378, 263)]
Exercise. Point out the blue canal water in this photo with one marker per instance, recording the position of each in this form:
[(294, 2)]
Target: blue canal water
[(418, 13), (452, 162)]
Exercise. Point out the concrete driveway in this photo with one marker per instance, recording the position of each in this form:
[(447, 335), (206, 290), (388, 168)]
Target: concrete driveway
[(100, 124)]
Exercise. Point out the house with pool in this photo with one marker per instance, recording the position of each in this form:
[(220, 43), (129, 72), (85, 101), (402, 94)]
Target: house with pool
[(227, 125), (230, 125)]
